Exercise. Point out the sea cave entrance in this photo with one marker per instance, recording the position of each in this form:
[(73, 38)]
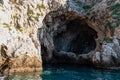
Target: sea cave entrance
[(65, 36)]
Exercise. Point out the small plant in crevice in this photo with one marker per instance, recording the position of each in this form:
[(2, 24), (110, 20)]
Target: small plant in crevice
[(21, 30), (36, 17), (17, 2), (87, 7), (40, 6), (32, 15), (112, 26), (30, 11), (108, 40), (1, 1), (115, 11), (78, 3), (7, 26), (109, 2), (114, 6), (18, 26)]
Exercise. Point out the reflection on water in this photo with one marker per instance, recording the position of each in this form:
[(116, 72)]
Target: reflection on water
[(67, 73), (27, 76)]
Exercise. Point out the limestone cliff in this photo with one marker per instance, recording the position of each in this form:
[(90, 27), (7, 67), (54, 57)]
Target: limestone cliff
[(19, 46), (83, 32)]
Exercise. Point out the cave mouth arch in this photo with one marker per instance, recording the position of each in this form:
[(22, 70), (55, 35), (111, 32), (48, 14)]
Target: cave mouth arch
[(77, 37), (65, 35)]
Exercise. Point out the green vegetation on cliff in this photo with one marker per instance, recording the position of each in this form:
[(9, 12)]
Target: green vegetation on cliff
[(113, 19)]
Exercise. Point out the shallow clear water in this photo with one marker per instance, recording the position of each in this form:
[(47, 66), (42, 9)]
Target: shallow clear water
[(68, 73)]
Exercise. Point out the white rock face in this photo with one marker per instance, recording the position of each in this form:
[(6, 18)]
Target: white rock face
[(18, 33), (19, 21)]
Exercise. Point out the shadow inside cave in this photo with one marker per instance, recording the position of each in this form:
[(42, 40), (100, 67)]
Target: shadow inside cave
[(65, 43), (78, 38)]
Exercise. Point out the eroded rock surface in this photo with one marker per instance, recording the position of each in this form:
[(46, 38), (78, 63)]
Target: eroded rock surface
[(82, 32)]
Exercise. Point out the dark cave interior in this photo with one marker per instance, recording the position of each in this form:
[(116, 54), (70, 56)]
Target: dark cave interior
[(78, 38)]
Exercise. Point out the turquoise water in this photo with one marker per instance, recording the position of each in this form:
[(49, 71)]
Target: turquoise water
[(79, 73), (68, 73)]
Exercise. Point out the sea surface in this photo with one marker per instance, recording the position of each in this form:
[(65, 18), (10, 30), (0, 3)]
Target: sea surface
[(67, 73)]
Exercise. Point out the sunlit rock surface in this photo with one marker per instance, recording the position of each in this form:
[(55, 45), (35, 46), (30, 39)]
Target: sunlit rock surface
[(19, 46)]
